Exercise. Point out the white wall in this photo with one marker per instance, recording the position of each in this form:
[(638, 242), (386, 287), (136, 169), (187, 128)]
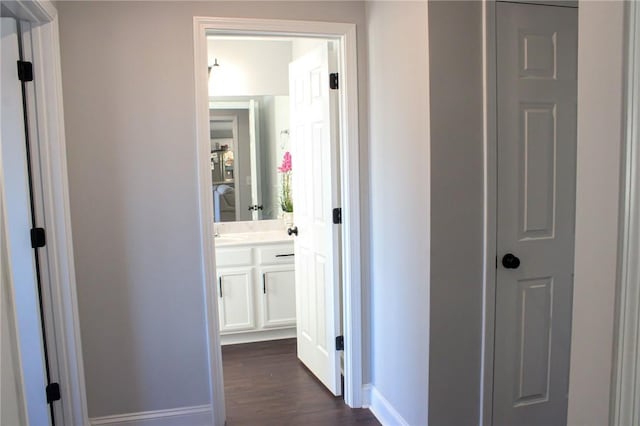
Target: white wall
[(400, 206), (274, 119), (600, 72), (304, 45), (128, 83), (249, 67)]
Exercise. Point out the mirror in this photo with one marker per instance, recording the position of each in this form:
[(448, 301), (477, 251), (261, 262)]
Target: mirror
[(249, 139)]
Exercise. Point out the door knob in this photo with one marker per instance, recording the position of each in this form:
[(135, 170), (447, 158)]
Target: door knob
[(292, 231), (509, 261)]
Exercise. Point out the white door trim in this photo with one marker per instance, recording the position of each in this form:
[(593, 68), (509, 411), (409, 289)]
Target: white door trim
[(490, 208), (625, 402), (345, 34), (54, 193)]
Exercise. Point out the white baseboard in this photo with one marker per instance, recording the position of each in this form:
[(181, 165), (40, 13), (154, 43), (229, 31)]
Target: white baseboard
[(186, 416), (257, 336), (380, 407)]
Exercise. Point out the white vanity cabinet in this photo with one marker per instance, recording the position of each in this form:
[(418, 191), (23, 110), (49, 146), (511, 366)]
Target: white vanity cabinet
[(256, 292), (278, 302), (235, 299)]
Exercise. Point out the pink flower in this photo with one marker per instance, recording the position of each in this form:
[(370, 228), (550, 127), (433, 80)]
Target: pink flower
[(286, 163)]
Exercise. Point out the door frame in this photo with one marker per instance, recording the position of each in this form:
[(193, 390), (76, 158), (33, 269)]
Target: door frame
[(490, 208), (345, 35), (52, 198), (625, 395), (490, 196)]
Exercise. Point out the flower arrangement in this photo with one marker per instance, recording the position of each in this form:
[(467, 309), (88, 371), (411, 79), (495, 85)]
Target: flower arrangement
[(286, 199)]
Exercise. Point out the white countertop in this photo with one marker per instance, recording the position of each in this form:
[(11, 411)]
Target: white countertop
[(252, 238)]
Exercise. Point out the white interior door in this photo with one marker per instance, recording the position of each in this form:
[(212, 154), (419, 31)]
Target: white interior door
[(537, 95), (16, 215), (12, 402), (315, 194)]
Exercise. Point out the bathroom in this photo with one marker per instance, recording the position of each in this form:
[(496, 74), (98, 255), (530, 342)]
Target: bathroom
[(273, 115)]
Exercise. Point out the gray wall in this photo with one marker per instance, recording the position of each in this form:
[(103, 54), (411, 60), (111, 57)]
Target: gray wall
[(130, 124), (601, 44), (455, 70), (400, 204)]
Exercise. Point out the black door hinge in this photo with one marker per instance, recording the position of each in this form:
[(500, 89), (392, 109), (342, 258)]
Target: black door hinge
[(340, 343), (25, 71), (38, 238), (337, 215), (334, 80), (53, 392)]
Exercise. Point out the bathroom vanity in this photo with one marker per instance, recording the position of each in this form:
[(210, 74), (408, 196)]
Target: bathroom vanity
[(256, 286)]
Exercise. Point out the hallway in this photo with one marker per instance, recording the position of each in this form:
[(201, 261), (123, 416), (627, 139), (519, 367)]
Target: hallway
[(265, 384)]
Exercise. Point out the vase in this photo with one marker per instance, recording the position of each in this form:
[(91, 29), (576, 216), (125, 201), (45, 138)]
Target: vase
[(287, 218)]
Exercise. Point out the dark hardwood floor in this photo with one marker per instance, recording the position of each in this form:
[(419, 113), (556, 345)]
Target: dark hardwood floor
[(266, 384)]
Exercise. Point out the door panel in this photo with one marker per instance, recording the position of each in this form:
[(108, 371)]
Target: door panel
[(315, 193), (537, 87), (279, 297), (537, 165), (534, 303), (235, 300)]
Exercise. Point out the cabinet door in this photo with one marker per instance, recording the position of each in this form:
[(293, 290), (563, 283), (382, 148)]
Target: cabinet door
[(235, 300), (278, 297)]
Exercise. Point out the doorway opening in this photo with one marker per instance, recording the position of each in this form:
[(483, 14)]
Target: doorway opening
[(277, 194)]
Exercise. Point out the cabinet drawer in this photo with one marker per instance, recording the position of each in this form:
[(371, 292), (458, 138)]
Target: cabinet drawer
[(234, 257), (276, 255)]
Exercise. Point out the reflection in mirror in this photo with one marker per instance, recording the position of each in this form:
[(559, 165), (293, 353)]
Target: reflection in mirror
[(249, 139), (224, 142)]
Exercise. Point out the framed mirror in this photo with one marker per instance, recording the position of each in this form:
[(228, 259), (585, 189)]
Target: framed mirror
[(249, 136)]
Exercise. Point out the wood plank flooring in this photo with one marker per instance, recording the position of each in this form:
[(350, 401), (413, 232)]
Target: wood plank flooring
[(265, 384)]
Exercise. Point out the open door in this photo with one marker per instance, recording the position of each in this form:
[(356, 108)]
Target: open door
[(25, 373), (315, 194)]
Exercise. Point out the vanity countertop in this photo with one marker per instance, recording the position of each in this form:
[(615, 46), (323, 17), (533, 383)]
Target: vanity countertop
[(252, 238)]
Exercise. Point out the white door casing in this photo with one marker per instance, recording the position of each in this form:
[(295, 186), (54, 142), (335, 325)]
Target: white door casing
[(345, 36), (625, 407), (18, 224), (536, 133), (315, 194)]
